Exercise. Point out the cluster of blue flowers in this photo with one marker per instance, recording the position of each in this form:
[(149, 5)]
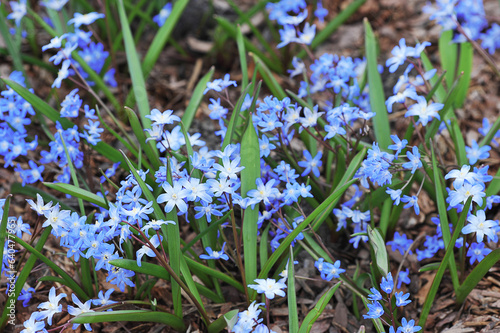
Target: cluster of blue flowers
[(213, 188), (15, 115), (468, 20), (376, 309), (291, 33)]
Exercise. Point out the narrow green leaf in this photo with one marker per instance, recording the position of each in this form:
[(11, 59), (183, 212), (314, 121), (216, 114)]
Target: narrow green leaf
[(78, 192), (477, 274), (458, 140), (268, 77), (145, 268), (231, 29), (172, 234), (288, 240), (216, 273), (318, 309), (378, 245), (250, 160), (293, 314), (376, 90), (134, 67), (4, 235), (162, 36), (149, 148), (69, 281), (347, 178), (243, 59), (233, 121), (196, 98), (14, 51), (465, 69), (429, 300), (131, 315), (440, 92), (429, 267), (443, 215), (448, 55), (261, 40), (221, 323), (23, 276), (444, 113), (30, 191)]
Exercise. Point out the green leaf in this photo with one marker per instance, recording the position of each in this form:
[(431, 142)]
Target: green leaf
[(448, 55), (429, 300), (23, 276), (68, 280), (78, 192), (196, 99), (376, 90), (443, 215), (293, 313), (30, 191), (250, 160), (464, 68), (233, 121), (131, 315), (4, 235), (288, 240), (477, 274), (318, 309), (378, 245), (347, 178), (231, 29), (214, 272), (148, 148), (145, 268), (220, 323), (162, 36), (268, 77), (458, 140), (243, 59), (134, 67), (14, 50), (429, 267)]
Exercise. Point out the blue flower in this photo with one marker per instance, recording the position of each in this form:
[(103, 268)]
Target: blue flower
[(395, 195), (400, 243), (387, 283), (414, 157), (402, 300), (375, 310), (408, 326), (403, 277), (411, 202), (399, 56), (163, 14), (375, 295), (481, 226), (424, 111), (475, 153), (477, 251), (311, 164), (18, 11), (85, 19), (215, 254), (329, 271)]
